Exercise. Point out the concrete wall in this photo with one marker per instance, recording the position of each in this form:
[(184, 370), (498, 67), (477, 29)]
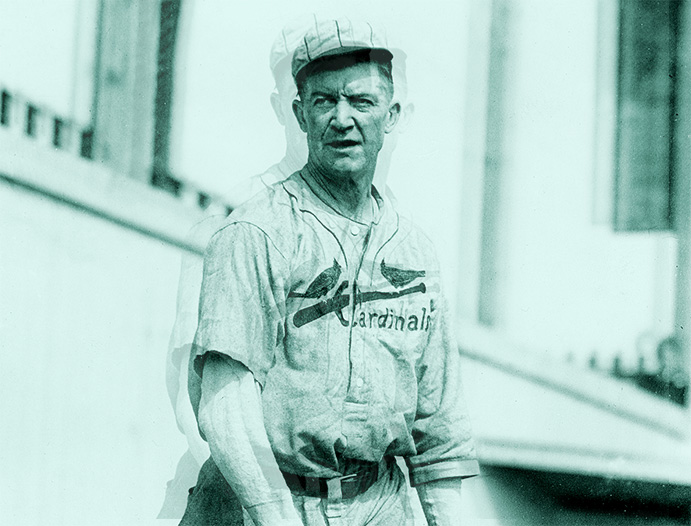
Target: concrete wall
[(563, 282), (89, 264), (86, 307)]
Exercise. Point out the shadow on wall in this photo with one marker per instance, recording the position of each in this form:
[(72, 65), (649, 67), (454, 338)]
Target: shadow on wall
[(559, 499)]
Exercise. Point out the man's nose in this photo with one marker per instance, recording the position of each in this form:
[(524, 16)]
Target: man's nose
[(343, 115)]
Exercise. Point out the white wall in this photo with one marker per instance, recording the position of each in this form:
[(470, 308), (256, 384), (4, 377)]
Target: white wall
[(86, 309), (568, 283)]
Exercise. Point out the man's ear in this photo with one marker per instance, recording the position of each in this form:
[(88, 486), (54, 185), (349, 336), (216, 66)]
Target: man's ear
[(407, 112), (297, 110), (278, 109), (392, 117)]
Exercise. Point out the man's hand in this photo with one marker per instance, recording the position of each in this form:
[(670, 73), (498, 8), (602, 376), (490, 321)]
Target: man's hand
[(441, 501), (230, 415)]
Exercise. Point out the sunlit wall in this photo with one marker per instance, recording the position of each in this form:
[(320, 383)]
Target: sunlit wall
[(566, 283)]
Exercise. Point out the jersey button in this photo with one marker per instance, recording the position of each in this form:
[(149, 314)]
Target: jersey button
[(354, 230), (359, 383)]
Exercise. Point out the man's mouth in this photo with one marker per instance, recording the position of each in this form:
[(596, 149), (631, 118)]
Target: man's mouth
[(342, 144)]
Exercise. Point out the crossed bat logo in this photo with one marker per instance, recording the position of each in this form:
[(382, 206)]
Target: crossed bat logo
[(327, 280)]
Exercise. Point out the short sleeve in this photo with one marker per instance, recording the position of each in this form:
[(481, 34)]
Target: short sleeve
[(241, 304)]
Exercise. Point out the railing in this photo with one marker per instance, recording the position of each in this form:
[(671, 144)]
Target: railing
[(42, 124), (45, 126)]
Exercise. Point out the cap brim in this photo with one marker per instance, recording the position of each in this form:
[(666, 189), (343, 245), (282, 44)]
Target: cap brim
[(377, 54), (382, 54)]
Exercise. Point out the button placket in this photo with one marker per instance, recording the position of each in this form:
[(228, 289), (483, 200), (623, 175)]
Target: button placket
[(356, 363), (356, 351)]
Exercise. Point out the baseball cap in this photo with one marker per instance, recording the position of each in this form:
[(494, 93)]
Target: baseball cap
[(287, 41), (339, 37)]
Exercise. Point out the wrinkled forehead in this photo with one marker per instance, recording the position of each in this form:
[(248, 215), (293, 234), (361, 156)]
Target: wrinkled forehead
[(353, 79)]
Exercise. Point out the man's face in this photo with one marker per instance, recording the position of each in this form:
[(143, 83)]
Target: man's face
[(345, 114)]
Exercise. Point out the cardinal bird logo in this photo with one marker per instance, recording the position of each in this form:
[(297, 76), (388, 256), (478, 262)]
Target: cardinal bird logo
[(399, 277), (338, 301), (322, 284)]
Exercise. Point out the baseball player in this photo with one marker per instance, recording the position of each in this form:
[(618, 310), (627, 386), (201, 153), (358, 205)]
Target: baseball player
[(323, 350)]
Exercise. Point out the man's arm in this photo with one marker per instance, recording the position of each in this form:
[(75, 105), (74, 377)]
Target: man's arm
[(230, 416), (441, 501)]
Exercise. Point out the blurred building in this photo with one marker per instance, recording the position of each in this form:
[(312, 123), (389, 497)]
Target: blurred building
[(548, 158), (92, 230)]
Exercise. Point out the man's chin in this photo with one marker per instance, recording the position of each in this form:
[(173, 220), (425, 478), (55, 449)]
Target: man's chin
[(346, 161), (347, 167)]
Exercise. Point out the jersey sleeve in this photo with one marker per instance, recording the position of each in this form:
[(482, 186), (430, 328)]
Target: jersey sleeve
[(441, 430), (241, 305)]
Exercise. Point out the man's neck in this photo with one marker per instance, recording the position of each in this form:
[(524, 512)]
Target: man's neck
[(349, 196)]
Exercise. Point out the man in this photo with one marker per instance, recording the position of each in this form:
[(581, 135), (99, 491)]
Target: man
[(322, 349), (295, 155)]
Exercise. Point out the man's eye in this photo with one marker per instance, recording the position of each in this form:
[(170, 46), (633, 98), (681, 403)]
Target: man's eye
[(323, 102), (363, 103)]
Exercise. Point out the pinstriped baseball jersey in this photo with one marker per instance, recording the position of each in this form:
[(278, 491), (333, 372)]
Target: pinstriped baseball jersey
[(344, 326)]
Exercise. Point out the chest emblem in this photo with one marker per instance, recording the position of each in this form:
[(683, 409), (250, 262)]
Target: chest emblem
[(399, 277), (323, 283), (327, 280)]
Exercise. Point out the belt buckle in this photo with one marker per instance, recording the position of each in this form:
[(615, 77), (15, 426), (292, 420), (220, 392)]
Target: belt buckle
[(334, 486)]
